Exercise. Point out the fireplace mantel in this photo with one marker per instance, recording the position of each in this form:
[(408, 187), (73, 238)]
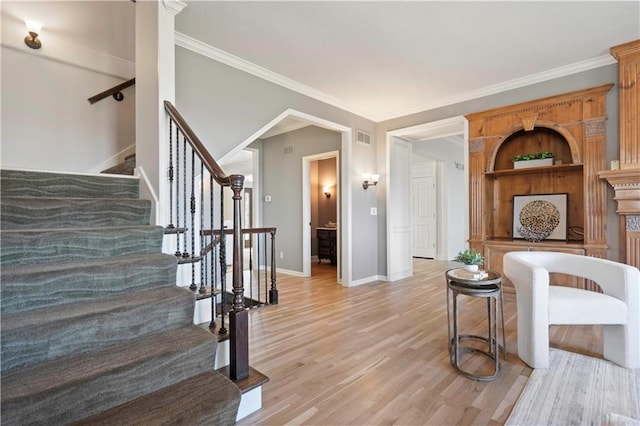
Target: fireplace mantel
[(626, 180)]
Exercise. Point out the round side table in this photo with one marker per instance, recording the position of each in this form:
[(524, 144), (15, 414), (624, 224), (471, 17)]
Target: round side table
[(489, 288)]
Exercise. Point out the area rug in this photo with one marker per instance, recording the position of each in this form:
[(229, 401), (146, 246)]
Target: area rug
[(579, 390)]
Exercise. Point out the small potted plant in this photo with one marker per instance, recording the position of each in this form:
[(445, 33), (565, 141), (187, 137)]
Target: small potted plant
[(536, 159), (470, 258)]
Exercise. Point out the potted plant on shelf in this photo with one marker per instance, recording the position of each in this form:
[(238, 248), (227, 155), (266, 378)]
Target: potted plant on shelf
[(536, 159), (470, 258)]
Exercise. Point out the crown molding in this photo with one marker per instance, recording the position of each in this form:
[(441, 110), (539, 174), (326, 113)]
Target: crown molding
[(517, 83), (174, 6), (226, 58)]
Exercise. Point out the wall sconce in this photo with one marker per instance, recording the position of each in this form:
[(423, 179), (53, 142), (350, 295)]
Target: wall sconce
[(31, 40), (327, 191), (369, 180)]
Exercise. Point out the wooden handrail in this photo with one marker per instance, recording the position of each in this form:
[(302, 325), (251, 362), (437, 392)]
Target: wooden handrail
[(110, 92), (199, 148)]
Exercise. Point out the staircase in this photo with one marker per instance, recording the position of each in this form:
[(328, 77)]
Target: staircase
[(94, 329)]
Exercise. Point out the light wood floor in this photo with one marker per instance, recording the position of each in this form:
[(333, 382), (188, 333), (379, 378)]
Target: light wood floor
[(377, 354)]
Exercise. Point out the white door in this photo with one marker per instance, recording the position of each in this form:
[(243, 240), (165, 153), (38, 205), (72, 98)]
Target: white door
[(399, 213), (423, 220)]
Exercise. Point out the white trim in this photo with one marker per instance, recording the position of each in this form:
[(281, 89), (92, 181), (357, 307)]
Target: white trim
[(226, 58), (173, 6), (79, 57), (393, 275), (516, 83), (250, 402), (114, 160), (345, 238), (306, 206), (289, 272), (368, 280), (311, 119), (146, 189), (445, 125)]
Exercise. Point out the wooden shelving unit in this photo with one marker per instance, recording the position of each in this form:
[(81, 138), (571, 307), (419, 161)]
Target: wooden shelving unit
[(573, 127)]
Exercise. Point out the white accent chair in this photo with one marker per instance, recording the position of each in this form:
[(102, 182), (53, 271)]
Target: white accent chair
[(541, 304)]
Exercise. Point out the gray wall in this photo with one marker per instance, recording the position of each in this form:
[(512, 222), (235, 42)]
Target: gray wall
[(584, 80), (282, 180), (225, 106)]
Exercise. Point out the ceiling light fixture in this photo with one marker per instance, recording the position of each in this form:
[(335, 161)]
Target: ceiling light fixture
[(33, 28)]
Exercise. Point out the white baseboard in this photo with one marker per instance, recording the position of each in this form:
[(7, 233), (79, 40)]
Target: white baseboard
[(115, 160), (368, 280), (148, 193), (289, 272)]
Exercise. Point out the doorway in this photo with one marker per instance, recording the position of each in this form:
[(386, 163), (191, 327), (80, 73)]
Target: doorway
[(321, 210), (452, 221), (345, 180)]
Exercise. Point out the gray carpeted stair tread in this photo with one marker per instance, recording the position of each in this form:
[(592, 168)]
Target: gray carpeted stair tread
[(54, 212), (206, 399), (72, 328), (91, 316), (28, 287), (126, 167), (29, 246), (49, 184), (81, 386)]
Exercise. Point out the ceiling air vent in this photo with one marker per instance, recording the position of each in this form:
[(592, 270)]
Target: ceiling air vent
[(363, 137)]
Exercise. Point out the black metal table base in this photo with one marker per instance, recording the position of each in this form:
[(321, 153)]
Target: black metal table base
[(490, 289)]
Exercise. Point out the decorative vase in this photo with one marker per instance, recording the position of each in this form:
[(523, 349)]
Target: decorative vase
[(471, 268)]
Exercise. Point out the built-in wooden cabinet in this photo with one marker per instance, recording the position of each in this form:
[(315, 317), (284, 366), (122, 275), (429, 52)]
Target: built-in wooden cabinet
[(495, 251), (573, 127)]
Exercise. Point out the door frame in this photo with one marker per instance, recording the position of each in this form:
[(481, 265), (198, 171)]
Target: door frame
[(306, 207), (346, 212), (436, 129)]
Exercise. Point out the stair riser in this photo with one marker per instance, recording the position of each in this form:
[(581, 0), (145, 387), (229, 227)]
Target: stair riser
[(44, 213), (35, 247), (23, 291), (74, 400), (40, 184), (96, 326)]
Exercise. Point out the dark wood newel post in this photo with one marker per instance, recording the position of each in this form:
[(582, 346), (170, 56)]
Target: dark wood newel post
[(238, 317), (273, 292)]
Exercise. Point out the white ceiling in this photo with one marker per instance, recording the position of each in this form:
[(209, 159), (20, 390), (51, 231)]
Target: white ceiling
[(104, 26), (378, 59), (390, 58)]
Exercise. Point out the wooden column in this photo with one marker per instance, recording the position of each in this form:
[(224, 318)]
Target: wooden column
[(626, 180)]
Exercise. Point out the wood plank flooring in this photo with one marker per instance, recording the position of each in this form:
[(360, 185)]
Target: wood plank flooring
[(377, 354)]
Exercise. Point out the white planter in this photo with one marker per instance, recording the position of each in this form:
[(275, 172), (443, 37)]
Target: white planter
[(471, 268), (533, 163)]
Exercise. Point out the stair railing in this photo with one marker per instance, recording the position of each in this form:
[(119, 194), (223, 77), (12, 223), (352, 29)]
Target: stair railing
[(260, 274), (115, 91), (193, 176)]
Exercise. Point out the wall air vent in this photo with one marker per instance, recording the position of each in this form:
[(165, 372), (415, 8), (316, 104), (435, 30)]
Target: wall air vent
[(363, 137), (288, 150)]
